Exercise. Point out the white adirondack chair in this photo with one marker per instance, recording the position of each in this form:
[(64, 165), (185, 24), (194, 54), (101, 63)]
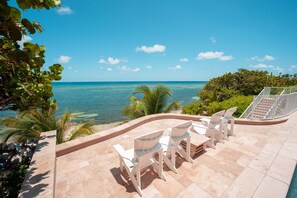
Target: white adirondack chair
[(225, 121), (141, 156), (211, 127), (171, 144)]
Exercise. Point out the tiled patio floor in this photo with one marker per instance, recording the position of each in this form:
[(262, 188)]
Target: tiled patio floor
[(258, 161)]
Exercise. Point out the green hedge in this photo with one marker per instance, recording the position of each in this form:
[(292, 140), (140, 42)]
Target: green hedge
[(241, 102)]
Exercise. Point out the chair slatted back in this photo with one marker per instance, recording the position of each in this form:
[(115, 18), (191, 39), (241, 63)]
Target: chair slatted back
[(180, 130), (147, 141), (216, 117), (230, 112)]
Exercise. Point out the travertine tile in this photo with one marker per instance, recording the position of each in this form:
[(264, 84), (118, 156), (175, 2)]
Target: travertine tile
[(289, 150), (262, 162), (234, 169), (194, 191), (245, 184), (210, 181), (271, 188), (244, 160), (230, 154), (170, 188), (282, 169)]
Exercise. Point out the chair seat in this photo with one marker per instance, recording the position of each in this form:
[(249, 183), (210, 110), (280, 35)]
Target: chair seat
[(199, 128), (128, 158), (205, 120)]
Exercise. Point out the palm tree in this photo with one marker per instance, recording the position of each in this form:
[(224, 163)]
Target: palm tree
[(30, 124), (67, 131), (153, 101)]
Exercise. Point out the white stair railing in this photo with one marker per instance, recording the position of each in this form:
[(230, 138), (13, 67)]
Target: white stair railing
[(265, 92), (285, 102), (271, 112)]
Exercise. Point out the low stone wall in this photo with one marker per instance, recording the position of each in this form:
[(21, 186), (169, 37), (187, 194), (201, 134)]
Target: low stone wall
[(83, 142), (40, 179)]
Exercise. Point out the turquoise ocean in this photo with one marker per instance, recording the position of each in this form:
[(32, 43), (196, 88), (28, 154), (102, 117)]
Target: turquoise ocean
[(103, 102)]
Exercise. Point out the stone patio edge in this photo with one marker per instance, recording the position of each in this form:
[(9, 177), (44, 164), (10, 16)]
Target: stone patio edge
[(40, 178), (68, 147)]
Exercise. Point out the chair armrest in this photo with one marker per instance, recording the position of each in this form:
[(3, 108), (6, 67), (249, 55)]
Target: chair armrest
[(119, 149)]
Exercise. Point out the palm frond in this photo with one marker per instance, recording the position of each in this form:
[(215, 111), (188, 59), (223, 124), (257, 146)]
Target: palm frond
[(144, 89), (153, 101), (173, 106), (81, 130), (136, 108)]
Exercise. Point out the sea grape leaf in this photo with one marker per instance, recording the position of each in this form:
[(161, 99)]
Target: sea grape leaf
[(15, 13), (28, 25)]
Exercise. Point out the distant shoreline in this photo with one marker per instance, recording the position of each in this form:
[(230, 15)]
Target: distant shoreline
[(103, 102), (179, 81)]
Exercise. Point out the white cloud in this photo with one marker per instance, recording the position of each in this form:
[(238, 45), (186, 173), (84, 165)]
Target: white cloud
[(64, 59), (25, 38), (176, 67), (293, 66), (149, 66), (213, 55), (111, 61), (109, 69), (129, 69), (70, 68), (268, 58), (213, 39), (64, 10), (225, 58), (278, 69), (184, 60), (264, 66), (102, 61), (265, 58), (153, 49)]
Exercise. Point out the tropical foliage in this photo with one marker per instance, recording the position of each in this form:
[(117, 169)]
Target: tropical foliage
[(31, 123), (229, 90), (24, 83), (241, 102), (153, 101)]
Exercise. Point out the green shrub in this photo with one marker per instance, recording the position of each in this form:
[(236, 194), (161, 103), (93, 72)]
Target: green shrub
[(241, 102), (193, 108)]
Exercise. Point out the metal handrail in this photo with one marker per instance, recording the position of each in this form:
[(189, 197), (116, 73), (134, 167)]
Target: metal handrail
[(289, 101), (271, 112), (255, 102), (249, 108)]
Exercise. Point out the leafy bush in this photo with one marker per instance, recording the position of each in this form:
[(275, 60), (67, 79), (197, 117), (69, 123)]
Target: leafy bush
[(24, 82), (241, 102), (243, 82), (14, 162), (193, 108), (236, 89)]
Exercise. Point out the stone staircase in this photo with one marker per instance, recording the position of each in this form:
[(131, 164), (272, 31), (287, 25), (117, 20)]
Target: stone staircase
[(261, 109)]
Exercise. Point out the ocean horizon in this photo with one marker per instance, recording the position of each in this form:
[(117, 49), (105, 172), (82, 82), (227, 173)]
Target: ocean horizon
[(103, 102)]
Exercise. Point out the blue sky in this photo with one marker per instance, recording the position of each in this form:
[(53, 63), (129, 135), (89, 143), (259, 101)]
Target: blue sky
[(191, 40)]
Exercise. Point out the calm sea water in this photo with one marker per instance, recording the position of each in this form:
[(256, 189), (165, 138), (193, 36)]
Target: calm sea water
[(103, 102)]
